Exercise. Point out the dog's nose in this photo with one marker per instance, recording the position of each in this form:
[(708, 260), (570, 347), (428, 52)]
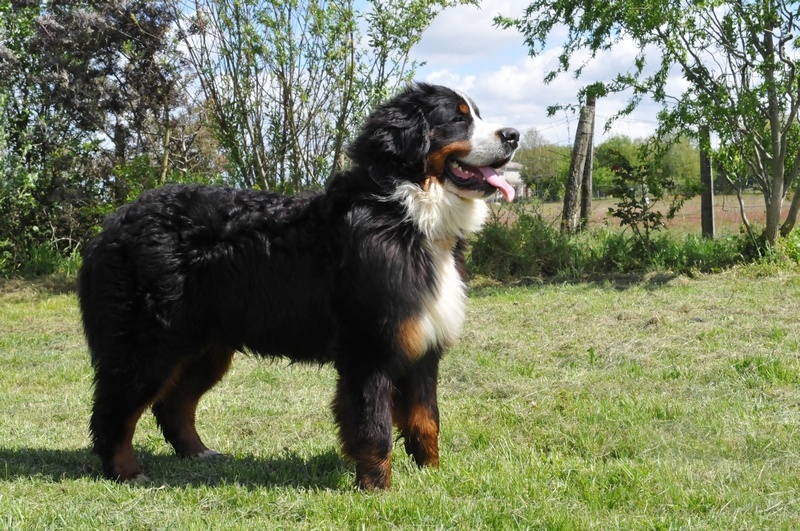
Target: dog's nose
[(510, 136)]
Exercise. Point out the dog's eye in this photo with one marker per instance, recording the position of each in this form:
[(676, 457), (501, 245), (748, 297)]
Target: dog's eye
[(458, 119)]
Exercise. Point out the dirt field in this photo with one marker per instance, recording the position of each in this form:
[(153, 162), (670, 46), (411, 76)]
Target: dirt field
[(726, 213)]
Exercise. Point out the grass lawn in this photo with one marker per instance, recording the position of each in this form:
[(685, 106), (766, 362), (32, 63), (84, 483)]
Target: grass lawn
[(659, 403)]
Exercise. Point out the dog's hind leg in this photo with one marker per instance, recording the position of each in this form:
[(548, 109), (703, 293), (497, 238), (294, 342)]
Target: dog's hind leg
[(416, 412), (363, 412), (119, 401), (176, 409)]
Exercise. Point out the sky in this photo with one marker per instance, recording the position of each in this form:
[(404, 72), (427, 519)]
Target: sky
[(463, 49)]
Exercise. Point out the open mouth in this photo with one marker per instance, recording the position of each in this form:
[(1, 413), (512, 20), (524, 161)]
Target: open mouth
[(484, 178)]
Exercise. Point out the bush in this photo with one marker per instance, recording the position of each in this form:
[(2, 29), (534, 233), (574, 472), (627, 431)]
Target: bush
[(39, 259), (518, 243)]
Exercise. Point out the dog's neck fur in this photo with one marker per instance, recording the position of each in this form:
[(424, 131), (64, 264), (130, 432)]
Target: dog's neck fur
[(438, 214), (442, 217)]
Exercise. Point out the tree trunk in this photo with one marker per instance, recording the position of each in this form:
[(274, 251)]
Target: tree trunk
[(774, 203), (706, 179), (586, 183), (791, 216), (570, 222), (120, 187), (774, 196), (162, 177)]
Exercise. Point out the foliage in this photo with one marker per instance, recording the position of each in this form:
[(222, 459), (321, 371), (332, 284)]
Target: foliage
[(110, 71), (679, 163), (544, 166), (519, 244), (640, 191), (81, 89), (790, 246), (288, 81), (739, 58), (617, 148)]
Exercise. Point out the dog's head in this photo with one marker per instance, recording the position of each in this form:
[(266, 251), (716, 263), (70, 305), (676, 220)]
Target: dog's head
[(430, 132)]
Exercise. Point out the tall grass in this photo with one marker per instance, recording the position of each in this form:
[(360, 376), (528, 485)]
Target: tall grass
[(40, 259), (518, 243)]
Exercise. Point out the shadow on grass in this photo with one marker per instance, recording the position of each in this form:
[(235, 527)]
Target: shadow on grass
[(323, 471)]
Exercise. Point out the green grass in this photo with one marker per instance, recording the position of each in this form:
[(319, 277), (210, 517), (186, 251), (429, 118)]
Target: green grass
[(649, 403)]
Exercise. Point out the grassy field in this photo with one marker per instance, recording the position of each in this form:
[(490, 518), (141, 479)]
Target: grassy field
[(727, 216), (652, 403)]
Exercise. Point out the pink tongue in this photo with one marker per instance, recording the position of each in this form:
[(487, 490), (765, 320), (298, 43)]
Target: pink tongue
[(493, 178)]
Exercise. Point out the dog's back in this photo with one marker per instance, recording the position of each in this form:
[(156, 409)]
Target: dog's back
[(174, 263)]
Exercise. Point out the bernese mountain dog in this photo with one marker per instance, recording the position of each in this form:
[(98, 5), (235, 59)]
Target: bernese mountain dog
[(367, 275)]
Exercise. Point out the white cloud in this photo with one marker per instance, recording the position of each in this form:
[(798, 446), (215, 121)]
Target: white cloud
[(465, 35), (464, 50)]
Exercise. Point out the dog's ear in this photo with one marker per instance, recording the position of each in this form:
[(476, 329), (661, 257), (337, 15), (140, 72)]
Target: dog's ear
[(394, 141)]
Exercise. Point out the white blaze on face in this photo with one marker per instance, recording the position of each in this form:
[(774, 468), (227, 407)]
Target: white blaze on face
[(486, 143), (487, 148)]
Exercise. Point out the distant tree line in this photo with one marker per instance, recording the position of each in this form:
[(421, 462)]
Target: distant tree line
[(545, 165)]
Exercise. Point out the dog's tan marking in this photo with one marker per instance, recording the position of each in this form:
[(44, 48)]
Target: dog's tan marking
[(423, 433), (123, 460), (411, 338), (373, 470), (181, 394), (437, 159), (171, 382), (463, 108), (126, 467)]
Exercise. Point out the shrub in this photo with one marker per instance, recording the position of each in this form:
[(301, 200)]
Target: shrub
[(39, 259), (518, 243)]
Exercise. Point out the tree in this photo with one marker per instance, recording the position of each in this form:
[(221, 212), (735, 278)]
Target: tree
[(18, 173), (680, 163), (677, 161), (110, 68), (288, 81), (544, 165), (611, 150), (86, 92), (640, 191), (739, 59), (578, 170), (608, 154)]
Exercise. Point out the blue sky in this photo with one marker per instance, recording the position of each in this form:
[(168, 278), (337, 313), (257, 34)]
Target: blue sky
[(464, 50)]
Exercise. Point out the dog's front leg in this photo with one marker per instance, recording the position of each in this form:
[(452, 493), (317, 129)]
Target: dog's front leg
[(416, 410), (363, 412)]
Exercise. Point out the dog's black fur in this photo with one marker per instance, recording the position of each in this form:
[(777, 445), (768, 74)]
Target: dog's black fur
[(185, 275)]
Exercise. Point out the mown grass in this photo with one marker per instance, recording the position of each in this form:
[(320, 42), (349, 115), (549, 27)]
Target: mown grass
[(653, 402)]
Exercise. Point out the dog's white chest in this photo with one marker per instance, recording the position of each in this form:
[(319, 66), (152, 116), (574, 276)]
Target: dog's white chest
[(441, 218), (445, 307)]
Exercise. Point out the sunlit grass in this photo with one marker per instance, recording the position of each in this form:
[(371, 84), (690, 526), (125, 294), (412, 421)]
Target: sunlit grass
[(658, 402)]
